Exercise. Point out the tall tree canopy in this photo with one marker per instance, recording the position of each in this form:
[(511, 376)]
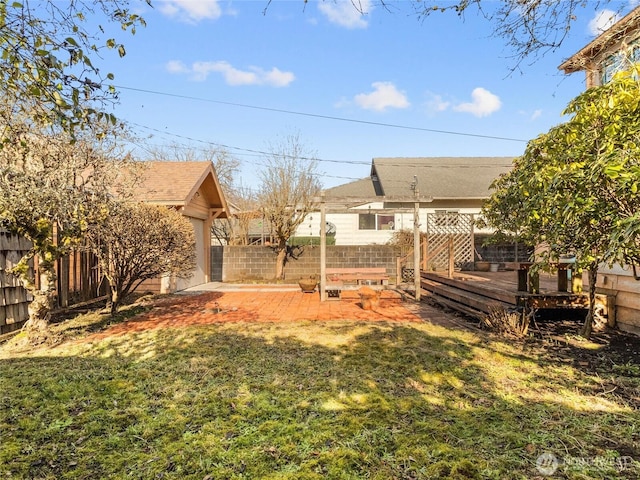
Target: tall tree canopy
[(575, 188), (51, 190), (48, 57), (59, 151)]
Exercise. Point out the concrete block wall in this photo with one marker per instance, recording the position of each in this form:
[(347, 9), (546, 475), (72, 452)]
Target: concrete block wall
[(217, 257), (258, 263)]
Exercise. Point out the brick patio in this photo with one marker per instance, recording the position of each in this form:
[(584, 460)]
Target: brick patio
[(273, 304)]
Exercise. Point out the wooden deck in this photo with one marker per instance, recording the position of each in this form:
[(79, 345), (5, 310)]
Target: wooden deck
[(475, 293)]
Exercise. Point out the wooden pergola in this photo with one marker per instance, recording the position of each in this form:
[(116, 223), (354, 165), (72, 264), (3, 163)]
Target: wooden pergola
[(349, 204)]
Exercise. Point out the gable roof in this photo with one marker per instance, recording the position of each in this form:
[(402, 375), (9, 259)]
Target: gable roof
[(176, 183), (578, 61), (438, 177), (362, 188)]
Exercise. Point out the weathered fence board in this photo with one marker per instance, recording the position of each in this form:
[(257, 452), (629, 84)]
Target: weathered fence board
[(78, 279)]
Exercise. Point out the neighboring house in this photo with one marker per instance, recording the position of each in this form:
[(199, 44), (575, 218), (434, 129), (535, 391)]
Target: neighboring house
[(615, 49), (454, 185), (193, 189)]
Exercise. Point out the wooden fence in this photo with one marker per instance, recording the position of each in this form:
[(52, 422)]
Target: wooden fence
[(78, 279), (14, 299)]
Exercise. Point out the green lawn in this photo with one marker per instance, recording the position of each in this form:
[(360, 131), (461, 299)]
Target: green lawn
[(312, 400)]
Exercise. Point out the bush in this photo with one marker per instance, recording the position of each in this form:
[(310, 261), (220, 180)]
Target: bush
[(299, 241), (506, 322)]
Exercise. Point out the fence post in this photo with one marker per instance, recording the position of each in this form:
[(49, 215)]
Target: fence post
[(451, 256)]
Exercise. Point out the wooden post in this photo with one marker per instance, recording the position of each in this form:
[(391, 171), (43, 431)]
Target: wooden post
[(451, 257), (63, 281), (563, 278), (534, 282), (323, 248), (472, 240), (425, 251), (416, 242), (522, 279)]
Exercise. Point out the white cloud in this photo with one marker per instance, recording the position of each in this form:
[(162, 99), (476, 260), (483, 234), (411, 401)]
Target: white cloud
[(176, 66), (346, 13), (435, 103), (191, 11), (483, 103), (385, 95), (536, 114), (199, 72), (602, 20)]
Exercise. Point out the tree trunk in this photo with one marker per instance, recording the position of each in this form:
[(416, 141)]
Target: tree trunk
[(587, 328), (115, 301), (280, 261), (37, 327), (39, 312)]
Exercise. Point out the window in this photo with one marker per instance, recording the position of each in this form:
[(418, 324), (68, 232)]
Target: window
[(619, 61), (385, 222), (369, 221), (610, 66)]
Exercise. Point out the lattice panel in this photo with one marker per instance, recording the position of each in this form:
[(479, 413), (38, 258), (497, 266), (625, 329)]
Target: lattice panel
[(443, 226)]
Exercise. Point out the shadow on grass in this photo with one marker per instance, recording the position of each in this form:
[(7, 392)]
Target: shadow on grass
[(332, 400)]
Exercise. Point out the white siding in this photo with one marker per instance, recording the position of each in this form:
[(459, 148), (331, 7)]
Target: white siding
[(198, 277), (347, 225)]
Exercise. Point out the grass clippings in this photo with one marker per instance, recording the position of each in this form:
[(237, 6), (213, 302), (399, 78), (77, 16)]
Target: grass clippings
[(307, 400)]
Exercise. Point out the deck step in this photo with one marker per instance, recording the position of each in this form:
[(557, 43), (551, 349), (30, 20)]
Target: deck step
[(463, 297), (453, 305), (475, 287)]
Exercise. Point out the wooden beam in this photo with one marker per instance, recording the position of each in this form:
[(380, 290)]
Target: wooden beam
[(409, 199), (382, 211), (416, 246), (323, 252)]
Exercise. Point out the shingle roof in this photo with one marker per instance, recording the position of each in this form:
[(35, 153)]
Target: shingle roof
[(602, 42), (358, 188), (170, 182), (176, 183), (440, 177)]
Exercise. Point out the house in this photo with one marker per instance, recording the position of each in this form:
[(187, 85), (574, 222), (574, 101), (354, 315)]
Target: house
[(452, 191), (615, 49), (452, 184), (193, 189)]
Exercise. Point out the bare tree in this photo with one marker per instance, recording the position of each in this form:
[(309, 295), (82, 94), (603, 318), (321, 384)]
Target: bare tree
[(528, 27), (141, 241), (243, 203), (289, 184)]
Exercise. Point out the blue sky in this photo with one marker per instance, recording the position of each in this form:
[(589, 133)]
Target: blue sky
[(206, 73)]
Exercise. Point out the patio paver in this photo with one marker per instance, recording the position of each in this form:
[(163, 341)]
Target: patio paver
[(273, 304)]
